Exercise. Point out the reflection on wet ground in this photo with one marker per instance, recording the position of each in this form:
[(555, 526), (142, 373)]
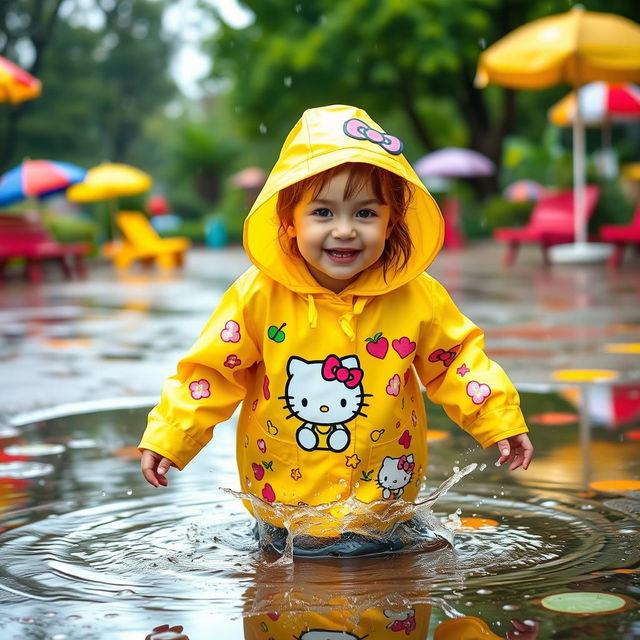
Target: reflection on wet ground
[(90, 551)]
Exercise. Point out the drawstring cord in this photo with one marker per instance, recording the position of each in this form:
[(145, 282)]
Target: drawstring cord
[(312, 314), (345, 320)]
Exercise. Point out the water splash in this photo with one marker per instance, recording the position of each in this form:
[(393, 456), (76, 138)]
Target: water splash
[(398, 525)]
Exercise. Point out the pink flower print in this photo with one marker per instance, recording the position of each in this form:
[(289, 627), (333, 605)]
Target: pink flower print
[(462, 370), (232, 361), (478, 392), (393, 388), (200, 389), (231, 332), (403, 347), (262, 445)]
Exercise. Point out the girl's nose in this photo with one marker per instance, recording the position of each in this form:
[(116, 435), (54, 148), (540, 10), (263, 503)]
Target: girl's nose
[(344, 229)]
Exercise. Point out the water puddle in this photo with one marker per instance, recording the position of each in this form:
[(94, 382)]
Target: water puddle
[(90, 550)]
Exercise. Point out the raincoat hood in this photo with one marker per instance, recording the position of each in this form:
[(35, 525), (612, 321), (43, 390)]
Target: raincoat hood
[(323, 138)]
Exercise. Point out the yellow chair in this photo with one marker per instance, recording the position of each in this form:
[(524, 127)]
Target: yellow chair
[(141, 242)]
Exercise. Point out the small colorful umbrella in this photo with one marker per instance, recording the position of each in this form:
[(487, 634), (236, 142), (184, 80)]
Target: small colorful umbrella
[(600, 102), (38, 179), (524, 191), (16, 85), (108, 181), (454, 162)]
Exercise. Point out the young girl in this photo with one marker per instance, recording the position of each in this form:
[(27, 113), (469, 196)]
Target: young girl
[(325, 340)]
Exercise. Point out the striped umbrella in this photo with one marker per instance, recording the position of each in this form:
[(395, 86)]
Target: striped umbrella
[(600, 102), (37, 179), (16, 85)]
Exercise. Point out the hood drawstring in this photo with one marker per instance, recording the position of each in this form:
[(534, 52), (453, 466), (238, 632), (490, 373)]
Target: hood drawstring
[(312, 312), (345, 320)]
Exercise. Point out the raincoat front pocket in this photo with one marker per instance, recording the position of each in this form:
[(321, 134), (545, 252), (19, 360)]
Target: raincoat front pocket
[(270, 459)]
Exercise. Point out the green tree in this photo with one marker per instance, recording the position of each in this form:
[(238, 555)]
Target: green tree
[(99, 86), (407, 62)]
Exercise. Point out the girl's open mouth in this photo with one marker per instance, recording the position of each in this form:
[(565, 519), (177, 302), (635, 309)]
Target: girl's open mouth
[(342, 256)]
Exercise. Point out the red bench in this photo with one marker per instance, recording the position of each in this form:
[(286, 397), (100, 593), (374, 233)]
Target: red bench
[(24, 236), (621, 235), (551, 222)]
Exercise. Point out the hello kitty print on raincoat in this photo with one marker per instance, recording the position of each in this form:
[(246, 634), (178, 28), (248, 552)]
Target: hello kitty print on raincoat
[(330, 383)]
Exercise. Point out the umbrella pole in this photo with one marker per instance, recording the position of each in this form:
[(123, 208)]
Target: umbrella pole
[(579, 176)]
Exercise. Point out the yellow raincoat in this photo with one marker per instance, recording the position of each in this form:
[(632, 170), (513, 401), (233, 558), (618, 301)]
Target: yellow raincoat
[(332, 407)]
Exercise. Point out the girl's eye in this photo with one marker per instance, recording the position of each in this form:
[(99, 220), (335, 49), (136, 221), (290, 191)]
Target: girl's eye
[(366, 213), (322, 212)]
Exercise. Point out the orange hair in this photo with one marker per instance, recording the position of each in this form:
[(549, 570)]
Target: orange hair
[(389, 188)]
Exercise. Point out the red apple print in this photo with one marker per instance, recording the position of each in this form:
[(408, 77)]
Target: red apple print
[(405, 439), (268, 493), (403, 347), (262, 445), (265, 388), (258, 471), (273, 616), (377, 346)]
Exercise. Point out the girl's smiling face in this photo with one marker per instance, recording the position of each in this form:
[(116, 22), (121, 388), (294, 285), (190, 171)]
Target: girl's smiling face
[(340, 237)]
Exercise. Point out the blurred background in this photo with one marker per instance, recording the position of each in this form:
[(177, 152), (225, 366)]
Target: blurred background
[(200, 94)]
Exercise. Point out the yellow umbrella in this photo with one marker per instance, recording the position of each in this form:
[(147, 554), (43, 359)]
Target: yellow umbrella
[(575, 47), (16, 85), (108, 181)]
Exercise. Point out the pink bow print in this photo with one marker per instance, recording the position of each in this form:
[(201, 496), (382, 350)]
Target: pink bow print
[(405, 465), (359, 130), (332, 369)]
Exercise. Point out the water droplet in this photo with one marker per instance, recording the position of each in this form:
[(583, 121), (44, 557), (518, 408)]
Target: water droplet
[(60, 636), (626, 531), (482, 467), (511, 607), (484, 592), (342, 481), (288, 80), (262, 128), (129, 492), (26, 620), (587, 507)]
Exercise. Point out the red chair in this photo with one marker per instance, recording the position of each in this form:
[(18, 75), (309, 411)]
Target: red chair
[(551, 222), (24, 236), (621, 235)]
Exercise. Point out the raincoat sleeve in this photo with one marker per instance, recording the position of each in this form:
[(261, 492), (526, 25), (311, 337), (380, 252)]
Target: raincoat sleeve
[(473, 390), (210, 382)]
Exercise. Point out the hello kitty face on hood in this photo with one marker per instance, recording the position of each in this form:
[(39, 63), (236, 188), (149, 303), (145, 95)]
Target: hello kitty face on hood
[(324, 392)]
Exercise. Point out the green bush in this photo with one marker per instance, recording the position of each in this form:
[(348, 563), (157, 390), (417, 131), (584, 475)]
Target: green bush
[(192, 229), (612, 207), (70, 228), (498, 212)]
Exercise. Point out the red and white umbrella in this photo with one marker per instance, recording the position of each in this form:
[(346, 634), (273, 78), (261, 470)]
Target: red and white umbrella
[(600, 103)]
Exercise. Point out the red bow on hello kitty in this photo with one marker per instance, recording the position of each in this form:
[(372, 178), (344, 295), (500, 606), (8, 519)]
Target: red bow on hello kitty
[(332, 369), (405, 465)]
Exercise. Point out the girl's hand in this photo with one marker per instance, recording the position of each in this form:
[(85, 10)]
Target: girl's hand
[(518, 449), (154, 467)]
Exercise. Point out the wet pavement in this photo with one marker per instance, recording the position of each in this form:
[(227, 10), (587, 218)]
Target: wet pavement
[(119, 335), (92, 551)]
